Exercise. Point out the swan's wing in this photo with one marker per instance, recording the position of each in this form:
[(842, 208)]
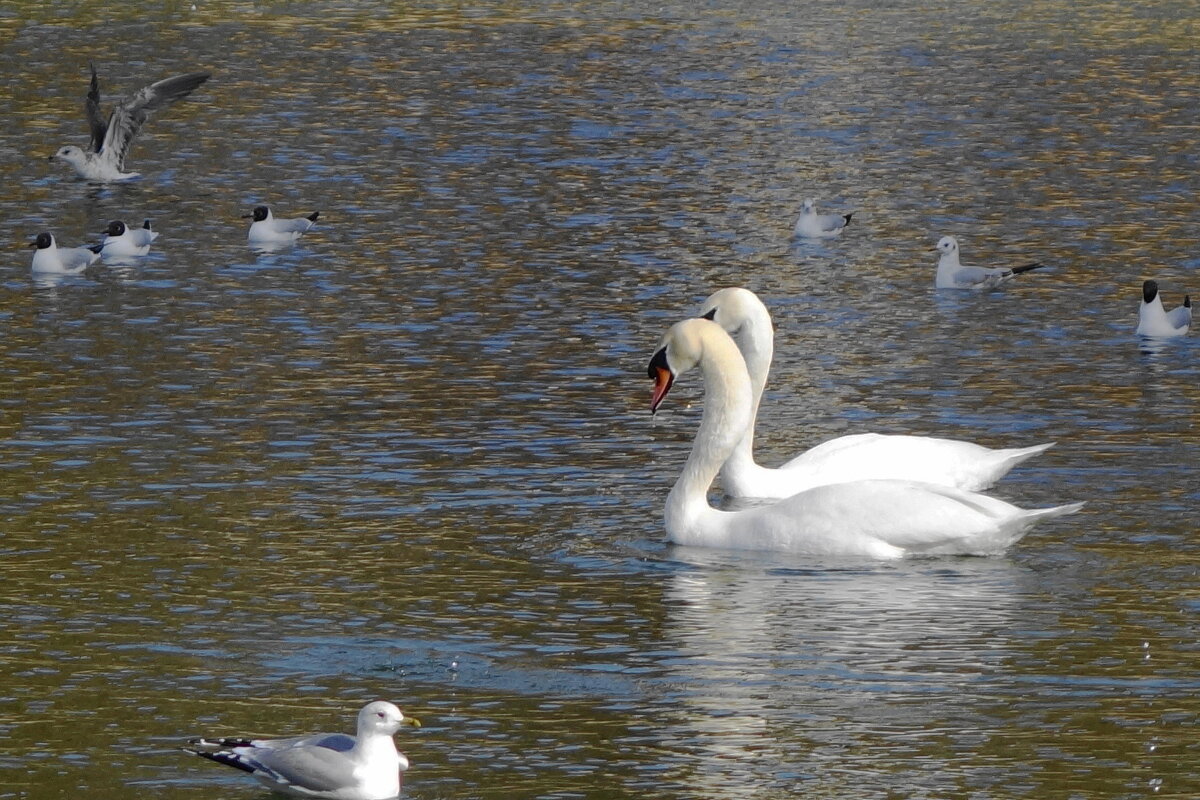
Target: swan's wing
[(949, 462), (914, 517), (95, 119), (127, 118)]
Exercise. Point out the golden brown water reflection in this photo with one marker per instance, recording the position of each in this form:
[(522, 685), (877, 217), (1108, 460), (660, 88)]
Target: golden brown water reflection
[(411, 458)]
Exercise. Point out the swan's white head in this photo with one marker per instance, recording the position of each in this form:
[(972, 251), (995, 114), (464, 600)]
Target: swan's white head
[(382, 717), (732, 308), (70, 154), (681, 349), (947, 245)]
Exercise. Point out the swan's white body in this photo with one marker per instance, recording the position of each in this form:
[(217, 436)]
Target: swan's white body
[(1155, 321), (121, 240), (267, 230), (872, 518), (333, 766), (953, 275), (949, 462), (812, 225), (48, 257)]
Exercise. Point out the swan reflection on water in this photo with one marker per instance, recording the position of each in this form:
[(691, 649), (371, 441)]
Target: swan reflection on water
[(791, 673)]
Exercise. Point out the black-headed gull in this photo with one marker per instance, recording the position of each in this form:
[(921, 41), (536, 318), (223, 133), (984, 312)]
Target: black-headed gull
[(121, 240), (336, 766), (49, 257), (812, 225), (1154, 320), (267, 230), (953, 275), (105, 161)]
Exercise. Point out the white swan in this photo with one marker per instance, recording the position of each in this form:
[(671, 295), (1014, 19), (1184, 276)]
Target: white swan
[(1154, 320), (873, 518), (812, 225), (949, 462), (953, 275)]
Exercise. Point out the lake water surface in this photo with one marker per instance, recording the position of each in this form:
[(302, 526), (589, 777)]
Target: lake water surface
[(412, 458)]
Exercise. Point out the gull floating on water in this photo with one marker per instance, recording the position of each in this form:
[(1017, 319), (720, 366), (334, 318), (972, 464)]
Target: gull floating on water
[(1154, 320), (105, 162), (812, 225), (267, 230), (121, 240), (953, 275), (336, 766), (49, 257)]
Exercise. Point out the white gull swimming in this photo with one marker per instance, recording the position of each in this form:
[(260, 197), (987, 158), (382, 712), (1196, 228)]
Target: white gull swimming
[(951, 274), (267, 230), (121, 240), (48, 257), (1156, 321), (812, 225), (335, 766)]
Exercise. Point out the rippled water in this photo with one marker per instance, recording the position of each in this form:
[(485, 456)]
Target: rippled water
[(413, 458)]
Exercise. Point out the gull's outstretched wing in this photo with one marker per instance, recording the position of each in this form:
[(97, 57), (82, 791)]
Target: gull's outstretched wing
[(95, 119), (127, 118)]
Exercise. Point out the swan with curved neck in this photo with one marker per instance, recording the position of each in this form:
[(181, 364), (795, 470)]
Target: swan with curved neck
[(872, 518), (949, 462)]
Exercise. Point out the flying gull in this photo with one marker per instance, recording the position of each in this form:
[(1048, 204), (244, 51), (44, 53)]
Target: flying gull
[(105, 161)]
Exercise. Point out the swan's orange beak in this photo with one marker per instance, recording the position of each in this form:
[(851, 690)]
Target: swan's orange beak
[(661, 374)]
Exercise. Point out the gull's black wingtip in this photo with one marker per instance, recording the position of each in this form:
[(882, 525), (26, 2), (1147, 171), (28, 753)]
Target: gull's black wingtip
[(313, 216)]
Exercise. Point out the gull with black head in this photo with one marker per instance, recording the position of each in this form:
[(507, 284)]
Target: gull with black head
[(121, 240), (48, 257), (267, 230)]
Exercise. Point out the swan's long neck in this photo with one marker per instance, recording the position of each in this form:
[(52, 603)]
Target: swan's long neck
[(728, 398), (756, 340)]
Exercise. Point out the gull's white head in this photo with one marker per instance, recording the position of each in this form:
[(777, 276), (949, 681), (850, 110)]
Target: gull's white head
[(809, 205), (947, 246), (382, 717), (70, 154)]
